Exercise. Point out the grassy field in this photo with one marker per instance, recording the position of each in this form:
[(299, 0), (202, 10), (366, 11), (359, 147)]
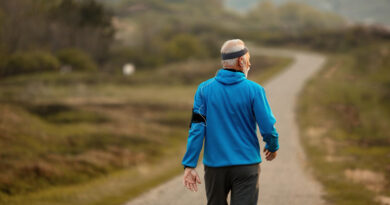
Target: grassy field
[(98, 138), (344, 117)]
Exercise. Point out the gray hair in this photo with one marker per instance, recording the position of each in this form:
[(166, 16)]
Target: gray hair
[(231, 46)]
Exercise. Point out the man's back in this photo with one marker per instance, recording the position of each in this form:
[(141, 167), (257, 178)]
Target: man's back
[(231, 105)]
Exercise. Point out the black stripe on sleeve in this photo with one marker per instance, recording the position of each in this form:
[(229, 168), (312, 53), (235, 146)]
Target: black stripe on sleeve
[(197, 118)]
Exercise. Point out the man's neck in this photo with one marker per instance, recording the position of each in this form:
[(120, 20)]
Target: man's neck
[(232, 69)]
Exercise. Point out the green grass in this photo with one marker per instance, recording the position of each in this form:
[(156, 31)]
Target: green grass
[(115, 188), (95, 138), (343, 115)]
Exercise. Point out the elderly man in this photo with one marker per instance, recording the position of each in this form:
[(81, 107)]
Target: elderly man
[(225, 112)]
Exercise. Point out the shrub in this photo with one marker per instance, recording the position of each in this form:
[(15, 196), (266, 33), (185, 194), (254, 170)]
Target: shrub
[(184, 46), (30, 62), (76, 58)]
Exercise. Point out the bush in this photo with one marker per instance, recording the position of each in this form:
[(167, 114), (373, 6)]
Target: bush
[(76, 58), (29, 62), (184, 46)]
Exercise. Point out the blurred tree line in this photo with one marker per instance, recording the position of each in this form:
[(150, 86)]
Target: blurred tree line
[(39, 35), (292, 18), (173, 30)]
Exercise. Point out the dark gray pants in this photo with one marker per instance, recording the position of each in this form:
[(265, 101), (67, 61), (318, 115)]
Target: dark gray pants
[(241, 180)]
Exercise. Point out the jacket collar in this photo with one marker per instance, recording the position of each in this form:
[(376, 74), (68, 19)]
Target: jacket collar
[(233, 70), (229, 76)]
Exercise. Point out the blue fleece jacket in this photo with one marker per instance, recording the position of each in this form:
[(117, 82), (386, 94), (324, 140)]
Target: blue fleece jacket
[(231, 106)]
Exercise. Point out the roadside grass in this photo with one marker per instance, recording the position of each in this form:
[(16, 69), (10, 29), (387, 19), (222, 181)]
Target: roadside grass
[(93, 138), (344, 118)]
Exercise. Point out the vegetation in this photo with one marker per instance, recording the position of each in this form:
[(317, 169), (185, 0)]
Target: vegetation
[(28, 26), (344, 116), (341, 40), (292, 18), (374, 11), (30, 62), (84, 126), (126, 31), (206, 23), (76, 59)]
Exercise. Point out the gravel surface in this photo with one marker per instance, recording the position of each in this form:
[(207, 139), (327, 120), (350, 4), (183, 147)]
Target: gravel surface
[(286, 179)]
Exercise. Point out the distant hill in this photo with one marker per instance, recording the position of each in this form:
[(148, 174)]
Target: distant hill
[(372, 11)]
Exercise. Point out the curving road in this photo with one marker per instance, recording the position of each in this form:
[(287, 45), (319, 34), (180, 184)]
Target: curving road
[(284, 180)]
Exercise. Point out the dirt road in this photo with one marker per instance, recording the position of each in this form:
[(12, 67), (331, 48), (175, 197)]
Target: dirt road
[(284, 180)]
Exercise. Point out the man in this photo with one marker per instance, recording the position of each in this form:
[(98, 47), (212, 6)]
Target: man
[(225, 112)]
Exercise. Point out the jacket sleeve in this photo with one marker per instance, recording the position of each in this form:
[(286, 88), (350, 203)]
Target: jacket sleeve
[(196, 132), (266, 120)]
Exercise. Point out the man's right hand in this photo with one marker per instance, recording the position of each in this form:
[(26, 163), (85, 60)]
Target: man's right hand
[(269, 155), (190, 179)]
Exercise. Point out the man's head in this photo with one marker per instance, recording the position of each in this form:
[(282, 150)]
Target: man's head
[(235, 46)]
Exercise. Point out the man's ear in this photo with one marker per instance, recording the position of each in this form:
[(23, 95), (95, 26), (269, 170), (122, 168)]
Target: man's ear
[(240, 61)]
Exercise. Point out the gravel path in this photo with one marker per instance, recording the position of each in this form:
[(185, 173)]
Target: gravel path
[(284, 180)]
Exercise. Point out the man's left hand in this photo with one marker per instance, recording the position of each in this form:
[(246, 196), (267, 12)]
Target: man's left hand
[(269, 155)]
